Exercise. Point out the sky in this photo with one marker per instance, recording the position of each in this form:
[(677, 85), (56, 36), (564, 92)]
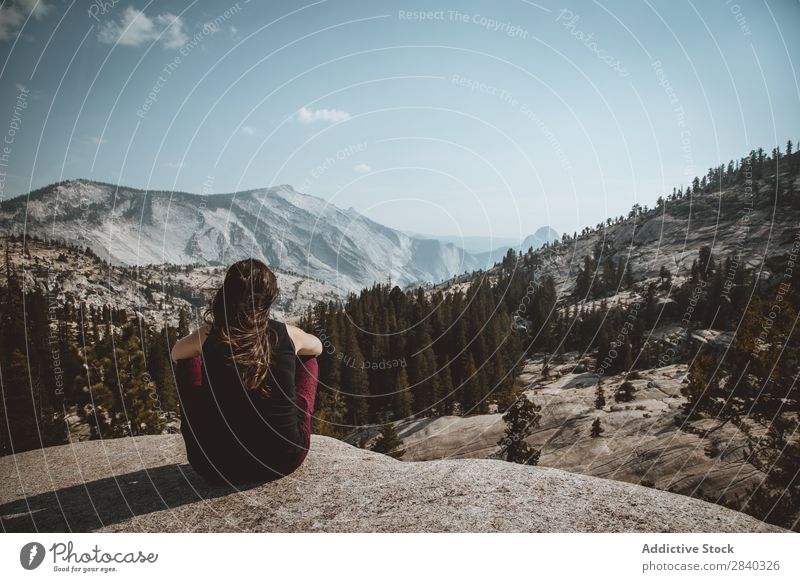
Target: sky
[(445, 118)]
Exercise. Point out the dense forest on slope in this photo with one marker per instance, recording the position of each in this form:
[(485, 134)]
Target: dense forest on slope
[(66, 361), (480, 327), (391, 354)]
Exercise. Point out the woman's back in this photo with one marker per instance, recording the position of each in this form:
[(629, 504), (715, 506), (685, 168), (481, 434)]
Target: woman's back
[(235, 434)]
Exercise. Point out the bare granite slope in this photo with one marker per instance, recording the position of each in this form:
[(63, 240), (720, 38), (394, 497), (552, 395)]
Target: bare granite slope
[(641, 442), (145, 484)]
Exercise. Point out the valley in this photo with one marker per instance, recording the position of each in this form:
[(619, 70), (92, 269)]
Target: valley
[(658, 348)]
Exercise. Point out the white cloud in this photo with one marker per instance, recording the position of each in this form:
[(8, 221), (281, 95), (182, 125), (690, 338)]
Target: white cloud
[(135, 28), (13, 14), (173, 165), (97, 140), (174, 36), (362, 168), (306, 115), (247, 130)]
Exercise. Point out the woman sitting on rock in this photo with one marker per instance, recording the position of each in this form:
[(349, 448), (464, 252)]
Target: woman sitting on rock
[(246, 383)]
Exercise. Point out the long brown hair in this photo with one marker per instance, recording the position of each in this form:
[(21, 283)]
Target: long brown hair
[(239, 312)]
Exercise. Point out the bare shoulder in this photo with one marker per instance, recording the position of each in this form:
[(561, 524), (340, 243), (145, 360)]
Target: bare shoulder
[(294, 332), (304, 343), (296, 335), (201, 333), (192, 344)]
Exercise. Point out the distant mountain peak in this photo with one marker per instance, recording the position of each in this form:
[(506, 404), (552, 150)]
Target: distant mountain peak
[(542, 236), (289, 230), (546, 233)]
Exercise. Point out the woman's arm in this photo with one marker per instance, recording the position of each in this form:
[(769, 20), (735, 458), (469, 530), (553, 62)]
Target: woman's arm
[(305, 344), (191, 345)]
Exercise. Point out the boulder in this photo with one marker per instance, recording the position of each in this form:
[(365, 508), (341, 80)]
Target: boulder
[(144, 484)]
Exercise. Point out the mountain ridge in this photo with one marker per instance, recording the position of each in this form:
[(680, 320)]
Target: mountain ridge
[(288, 229)]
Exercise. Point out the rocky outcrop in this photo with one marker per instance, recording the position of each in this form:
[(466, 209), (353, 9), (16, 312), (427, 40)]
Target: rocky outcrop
[(145, 484)]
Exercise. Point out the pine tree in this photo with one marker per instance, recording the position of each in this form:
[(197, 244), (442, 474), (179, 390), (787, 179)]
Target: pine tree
[(603, 348), (183, 323), (331, 410), (703, 386), (20, 407), (665, 276), (627, 279), (161, 371), (388, 442), (426, 384), (46, 373), (596, 428), (402, 399), (355, 382), (627, 355), (96, 405), (521, 419), (13, 329), (583, 281), (706, 263), (625, 393), (470, 388), (600, 397), (448, 396), (138, 394), (71, 360)]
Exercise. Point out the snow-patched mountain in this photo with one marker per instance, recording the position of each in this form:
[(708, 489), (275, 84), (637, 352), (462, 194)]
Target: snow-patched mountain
[(287, 229)]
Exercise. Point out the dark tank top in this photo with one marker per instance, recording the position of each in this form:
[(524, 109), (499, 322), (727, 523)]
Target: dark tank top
[(236, 435)]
